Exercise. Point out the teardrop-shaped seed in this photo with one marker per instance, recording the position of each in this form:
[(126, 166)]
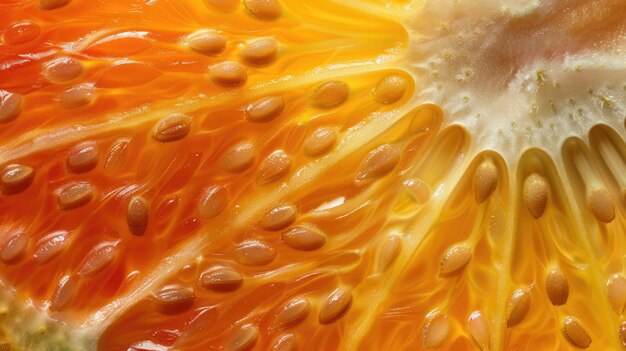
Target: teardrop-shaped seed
[(616, 292), (305, 238), (535, 194), (171, 128), (479, 329), (52, 4), (10, 105), (63, 293), (15, 178), (286, 342), (82, 157), (320, 141), (436, 330), (292, 313), (330, 94), (254, 253), (557, 287), (213, 201), (173, 298), (137, 215), (265, 109), (243, 338), (575, 333), (228, 73), (601, 204), (221, 279), (485, 181), (62, 69), (389, 251), (378, 162), (98, 259), (454, 260), (13, 246), (239, 157), (206, 42), (517, 307), (274, 167), (117, 155), (622, 333), (390, 89), (263, 9), (51, 246), (77, 95), (75, 195), (260, 51), (279, 217), (335, 306)]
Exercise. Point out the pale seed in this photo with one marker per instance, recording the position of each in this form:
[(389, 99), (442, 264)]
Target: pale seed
[(436, 330), (98, 259), (517, 307), (63, 293), (243, 339), (260, 51), (485, 181), (320, 141), (616, 292), (221, 279), (279, 217), (75, 195), (13, 246), (238, 157), (389, 251), (330, 94), (479, 329), (390, 89), (335, 305), (254, 253), (286, 342), (575, 333), (171, 128), (274, 167), (265, 109), (378, 163), (77, 95), (535, 194), (173, 298), (263, 9), (10, 105), (305, 238), (15, 178), (228, 73), (601, 204), (51, 246), (62, 69), (83, 157), (292, 313), (206, 42), (213, 201), (454, 261)]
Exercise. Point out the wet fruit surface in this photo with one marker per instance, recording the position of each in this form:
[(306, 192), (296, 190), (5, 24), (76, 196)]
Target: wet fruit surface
[(312, 175)]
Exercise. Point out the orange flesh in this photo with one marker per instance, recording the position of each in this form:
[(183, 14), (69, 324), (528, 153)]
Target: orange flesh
[(135, 55)]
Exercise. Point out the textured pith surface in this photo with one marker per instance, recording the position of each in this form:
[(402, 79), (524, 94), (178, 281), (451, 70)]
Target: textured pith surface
[(312, 175)]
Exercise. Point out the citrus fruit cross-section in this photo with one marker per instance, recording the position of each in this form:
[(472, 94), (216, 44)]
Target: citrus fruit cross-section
[(312, 175)]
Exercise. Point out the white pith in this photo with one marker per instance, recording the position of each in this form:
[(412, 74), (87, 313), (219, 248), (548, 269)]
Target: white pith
[(532, 99)]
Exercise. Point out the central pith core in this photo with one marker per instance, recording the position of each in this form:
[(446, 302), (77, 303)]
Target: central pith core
[(524, 76)]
